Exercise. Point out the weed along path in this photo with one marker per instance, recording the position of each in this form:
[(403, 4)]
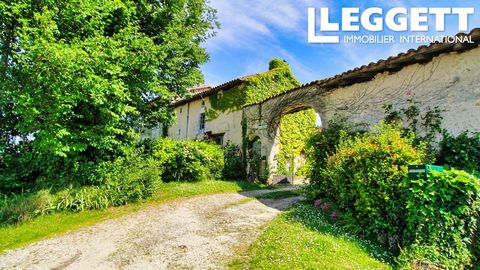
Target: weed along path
[(197, 233)]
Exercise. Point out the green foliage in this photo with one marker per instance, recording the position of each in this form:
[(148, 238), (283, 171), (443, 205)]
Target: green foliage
[(124, 180), (226, 101), (234, 168), (320, 145), (254, 89), (462, 152), (129, 179), (20, 208), (365, 177), (427, 127), (269, 84), (294, 130), (442, 213), (433, 220), (77, 77), (277, 63), (18, 235), (188, 161)]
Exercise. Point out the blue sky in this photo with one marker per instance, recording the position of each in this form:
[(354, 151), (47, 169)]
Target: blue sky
[(255, 31)]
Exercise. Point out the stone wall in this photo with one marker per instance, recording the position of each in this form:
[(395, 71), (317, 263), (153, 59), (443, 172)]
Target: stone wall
[(450, 81)]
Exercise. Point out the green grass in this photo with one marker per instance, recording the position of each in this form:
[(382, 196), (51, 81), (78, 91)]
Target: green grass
[(303, 238), (42, 227)]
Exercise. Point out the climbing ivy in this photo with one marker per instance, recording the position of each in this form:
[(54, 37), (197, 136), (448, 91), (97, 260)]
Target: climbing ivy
[(258, 88), (294, 130), (226, 101), (255, 89)]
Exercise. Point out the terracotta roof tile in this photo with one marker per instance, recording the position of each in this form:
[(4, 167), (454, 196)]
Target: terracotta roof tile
[(211, 91), (423, 54)]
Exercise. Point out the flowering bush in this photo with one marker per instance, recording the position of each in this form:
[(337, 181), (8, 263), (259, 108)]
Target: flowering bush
[(365, 177), (433, 220)]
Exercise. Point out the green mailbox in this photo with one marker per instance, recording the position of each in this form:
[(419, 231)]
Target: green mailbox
[(421, 171)]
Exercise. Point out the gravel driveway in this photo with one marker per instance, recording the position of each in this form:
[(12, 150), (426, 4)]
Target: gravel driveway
[(197, 233)]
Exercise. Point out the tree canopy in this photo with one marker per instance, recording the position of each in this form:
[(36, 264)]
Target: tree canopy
[(77, 77)]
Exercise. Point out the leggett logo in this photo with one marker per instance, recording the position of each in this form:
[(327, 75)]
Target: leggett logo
[(397, 19)]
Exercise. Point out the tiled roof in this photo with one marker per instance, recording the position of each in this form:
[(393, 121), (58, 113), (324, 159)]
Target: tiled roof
[(198, 89), (422, 54), (211, 91)]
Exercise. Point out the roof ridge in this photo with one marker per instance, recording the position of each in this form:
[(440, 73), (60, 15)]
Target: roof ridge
[(421, 55)]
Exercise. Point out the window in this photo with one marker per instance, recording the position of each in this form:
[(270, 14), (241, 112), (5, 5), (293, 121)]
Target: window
[(218, 139), (202, 122), (179, 131)]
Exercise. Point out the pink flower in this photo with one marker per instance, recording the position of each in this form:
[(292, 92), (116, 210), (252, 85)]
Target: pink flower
[(325, 207), (317, 203), (334, 216), (409, 93)]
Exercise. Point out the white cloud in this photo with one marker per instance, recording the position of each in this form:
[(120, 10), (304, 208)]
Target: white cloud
[(254, 32), (245, 23), (259, 27)]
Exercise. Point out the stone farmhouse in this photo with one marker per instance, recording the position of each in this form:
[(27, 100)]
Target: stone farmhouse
[(446, 75)]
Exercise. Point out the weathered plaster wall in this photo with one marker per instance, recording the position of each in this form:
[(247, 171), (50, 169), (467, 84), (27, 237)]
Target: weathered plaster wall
[(187, 120), (449, 81), (228, 123)]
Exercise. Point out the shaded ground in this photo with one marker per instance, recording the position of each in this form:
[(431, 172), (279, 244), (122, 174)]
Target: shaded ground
[(198, 233)]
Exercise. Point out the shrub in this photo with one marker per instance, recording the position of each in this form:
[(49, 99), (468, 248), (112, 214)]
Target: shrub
[(434, 220), (234, 168), (462, 152), (365, 175), (320, 145), (188, 161), (20, 208), (442, 214), (127, 179), (130, 179)]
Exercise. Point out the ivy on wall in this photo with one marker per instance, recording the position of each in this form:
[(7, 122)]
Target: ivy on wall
[(294, 130), (255, 89)]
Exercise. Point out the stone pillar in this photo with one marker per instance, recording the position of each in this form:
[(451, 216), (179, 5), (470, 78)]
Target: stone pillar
[(270, 149)]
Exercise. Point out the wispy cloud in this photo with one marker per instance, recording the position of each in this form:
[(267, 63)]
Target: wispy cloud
[(245, 24), (254, 32), (261, 27)]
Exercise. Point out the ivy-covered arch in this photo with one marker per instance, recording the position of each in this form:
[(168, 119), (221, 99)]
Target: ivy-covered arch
[(284, 122)]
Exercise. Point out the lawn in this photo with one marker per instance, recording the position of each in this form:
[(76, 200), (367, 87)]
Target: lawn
[(303, 238), (15, 236)]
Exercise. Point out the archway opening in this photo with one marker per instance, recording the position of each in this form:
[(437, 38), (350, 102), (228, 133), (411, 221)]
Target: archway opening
[(296, 127)]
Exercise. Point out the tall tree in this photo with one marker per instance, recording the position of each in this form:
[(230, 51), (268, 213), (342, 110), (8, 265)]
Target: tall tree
[(77, 76)]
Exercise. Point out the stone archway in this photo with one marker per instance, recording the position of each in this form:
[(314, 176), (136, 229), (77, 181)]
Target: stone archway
[(263, 120), (441, 74)]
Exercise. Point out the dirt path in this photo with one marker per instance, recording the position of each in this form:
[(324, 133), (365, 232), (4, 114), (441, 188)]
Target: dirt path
[(198, 233)]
